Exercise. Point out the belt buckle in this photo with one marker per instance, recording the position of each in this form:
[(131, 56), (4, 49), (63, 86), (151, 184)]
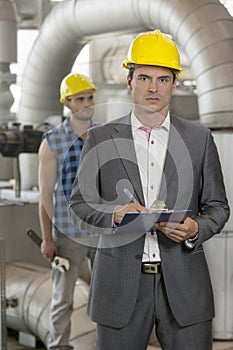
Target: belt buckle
[(151, 268)]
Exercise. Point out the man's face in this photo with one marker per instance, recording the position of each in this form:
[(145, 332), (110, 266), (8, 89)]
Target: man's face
[(151, 88), (81, 105)]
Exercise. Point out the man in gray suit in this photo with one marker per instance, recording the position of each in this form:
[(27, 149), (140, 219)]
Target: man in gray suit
[(160, 277)]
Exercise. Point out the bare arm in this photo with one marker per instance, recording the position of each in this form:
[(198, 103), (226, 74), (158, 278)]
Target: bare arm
[(47, 180)]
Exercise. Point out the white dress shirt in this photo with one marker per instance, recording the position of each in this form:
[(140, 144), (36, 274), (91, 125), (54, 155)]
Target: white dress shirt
[(151, 153)]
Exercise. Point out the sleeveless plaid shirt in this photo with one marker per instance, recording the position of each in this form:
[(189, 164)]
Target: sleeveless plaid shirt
[(68, 146)]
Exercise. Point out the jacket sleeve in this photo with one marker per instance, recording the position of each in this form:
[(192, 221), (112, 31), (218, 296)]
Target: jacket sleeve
[(214, 210), (88, 210)]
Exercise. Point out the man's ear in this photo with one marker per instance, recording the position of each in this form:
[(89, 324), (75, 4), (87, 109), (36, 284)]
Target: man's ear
[(129, 81), (174, 85), (67, 103)]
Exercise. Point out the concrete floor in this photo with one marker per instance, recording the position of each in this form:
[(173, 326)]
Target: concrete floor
[(218, 345), (14, 345)]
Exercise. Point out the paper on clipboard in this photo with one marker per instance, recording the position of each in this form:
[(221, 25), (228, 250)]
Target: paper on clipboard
[(144, 221)]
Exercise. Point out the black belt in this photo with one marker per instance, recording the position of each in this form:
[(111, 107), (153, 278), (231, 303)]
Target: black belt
[(155, 267)]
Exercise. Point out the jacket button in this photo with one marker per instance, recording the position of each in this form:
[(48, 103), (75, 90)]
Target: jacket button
[(138, 256)]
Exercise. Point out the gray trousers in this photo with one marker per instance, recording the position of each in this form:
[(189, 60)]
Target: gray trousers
[(63, 290), (151, 309)]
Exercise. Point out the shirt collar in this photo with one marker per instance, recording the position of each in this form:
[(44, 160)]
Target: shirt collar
[(136, 124)]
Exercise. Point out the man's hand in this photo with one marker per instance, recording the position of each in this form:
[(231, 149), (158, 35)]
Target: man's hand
[(48, 249), (179, 232), (121, 210)]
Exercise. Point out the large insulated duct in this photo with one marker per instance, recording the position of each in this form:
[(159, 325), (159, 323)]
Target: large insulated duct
[(203, 29), (29, 287)]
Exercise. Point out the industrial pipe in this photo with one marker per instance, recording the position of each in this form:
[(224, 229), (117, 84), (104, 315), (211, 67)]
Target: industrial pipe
[(14, 141), (31, 286), (8, 55), (71, 24)]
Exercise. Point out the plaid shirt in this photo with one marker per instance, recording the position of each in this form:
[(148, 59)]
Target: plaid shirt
[(68, 146)]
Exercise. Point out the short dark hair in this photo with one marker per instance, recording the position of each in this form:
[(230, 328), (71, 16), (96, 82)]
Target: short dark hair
[(133, 67)]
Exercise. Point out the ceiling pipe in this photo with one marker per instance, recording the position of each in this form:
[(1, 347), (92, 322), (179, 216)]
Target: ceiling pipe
[(203, 29)]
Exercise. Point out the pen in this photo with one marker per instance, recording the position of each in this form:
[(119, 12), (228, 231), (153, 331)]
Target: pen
[(129, 194)]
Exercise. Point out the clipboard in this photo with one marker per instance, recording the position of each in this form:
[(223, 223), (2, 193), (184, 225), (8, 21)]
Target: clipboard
[(143, 222)]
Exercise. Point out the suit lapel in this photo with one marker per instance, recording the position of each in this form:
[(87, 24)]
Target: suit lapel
[(172, 156), (123, 141), (177, 167)]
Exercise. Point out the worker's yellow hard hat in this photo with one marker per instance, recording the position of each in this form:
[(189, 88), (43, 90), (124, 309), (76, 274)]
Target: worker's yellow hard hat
[(74, 83), (153, 48)]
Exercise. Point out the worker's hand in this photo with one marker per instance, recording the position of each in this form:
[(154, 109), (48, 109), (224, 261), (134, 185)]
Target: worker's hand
[(121, 210), (48, 249), (179, 232)]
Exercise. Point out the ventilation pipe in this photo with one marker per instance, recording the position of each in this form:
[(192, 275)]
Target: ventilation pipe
[(203, 29), (8, 54)]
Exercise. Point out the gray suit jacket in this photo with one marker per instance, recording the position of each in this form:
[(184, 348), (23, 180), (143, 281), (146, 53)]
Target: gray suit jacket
[(192, 179)]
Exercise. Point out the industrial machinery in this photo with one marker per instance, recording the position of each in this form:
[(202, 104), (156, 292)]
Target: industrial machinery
[(14, 141)]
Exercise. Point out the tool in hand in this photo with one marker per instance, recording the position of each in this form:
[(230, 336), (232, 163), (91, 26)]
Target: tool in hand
[(58, 262)]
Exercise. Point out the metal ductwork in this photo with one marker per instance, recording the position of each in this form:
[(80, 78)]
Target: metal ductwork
[(203, 29), (8, 54), (29, 290)]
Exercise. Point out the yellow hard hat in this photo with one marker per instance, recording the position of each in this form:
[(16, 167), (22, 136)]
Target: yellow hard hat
[(153, 48), (74, 83)]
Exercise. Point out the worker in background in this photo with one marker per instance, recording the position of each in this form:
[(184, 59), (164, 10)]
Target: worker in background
[(59, 155), (158, 278)]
